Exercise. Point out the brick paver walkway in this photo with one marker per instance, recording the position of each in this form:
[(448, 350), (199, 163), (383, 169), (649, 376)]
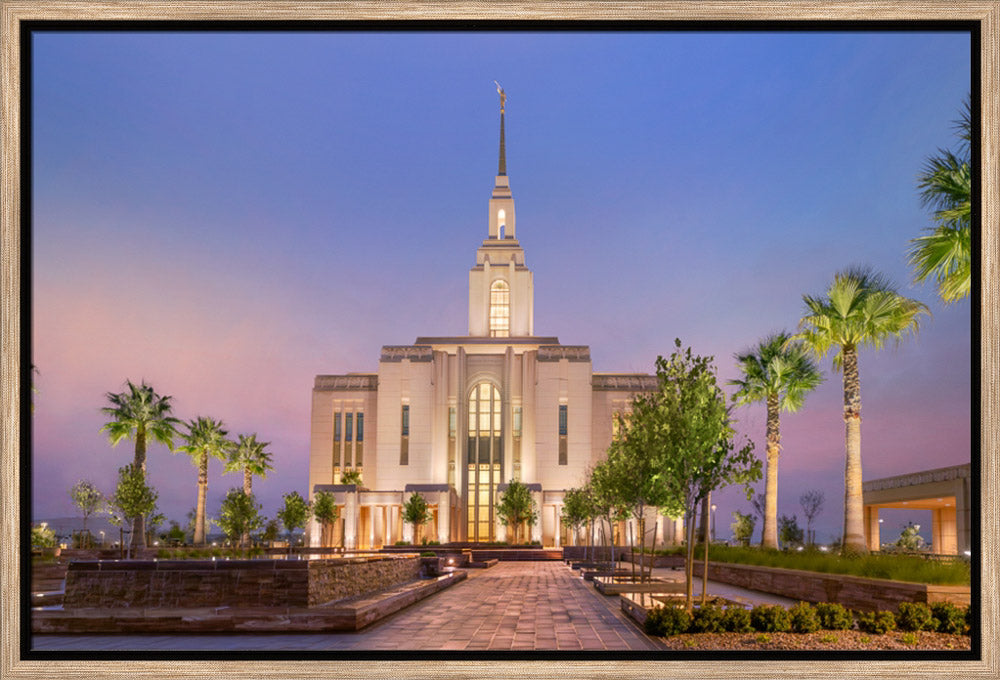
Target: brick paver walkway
[(511, 606)]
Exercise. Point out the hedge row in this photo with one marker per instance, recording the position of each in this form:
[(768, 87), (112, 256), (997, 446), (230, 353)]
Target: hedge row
[(942, 617)]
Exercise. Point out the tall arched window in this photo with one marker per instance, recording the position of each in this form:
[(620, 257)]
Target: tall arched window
[(499, 309), (485, 460)]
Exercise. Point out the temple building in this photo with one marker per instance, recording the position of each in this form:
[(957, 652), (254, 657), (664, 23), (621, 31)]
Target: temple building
[(456, 417)]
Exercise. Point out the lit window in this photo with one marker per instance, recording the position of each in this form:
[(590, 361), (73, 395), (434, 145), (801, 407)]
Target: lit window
[(404, 439), (336, 426), (348, 426), (361, 427), (563, 422), (500, 309)]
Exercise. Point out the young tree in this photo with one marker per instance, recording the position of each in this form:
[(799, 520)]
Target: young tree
[(239, 515), (206, 438), (153, 521), (689, 426), (861, 308), (779, 373), (294, 514), (632, 465), (326, 513), (516, 507), (42, 536), (416, 512), (812, 504), (576, 509), (945, 252), (607, 502), (272, 529), (788, 531), (350, 476), (910, 538), (139, 413), (743, 526), (88, 499), (134, 498)]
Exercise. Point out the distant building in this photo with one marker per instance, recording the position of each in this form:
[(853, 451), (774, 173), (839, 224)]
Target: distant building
[(454, 418), (946, 492)]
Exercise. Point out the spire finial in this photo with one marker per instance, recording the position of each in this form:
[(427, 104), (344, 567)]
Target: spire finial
[(502, 168)]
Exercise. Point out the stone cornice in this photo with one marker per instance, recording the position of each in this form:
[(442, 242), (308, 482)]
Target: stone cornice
[(625, 382), (363, 382), (422, 353), (915, 478), (568, 352)]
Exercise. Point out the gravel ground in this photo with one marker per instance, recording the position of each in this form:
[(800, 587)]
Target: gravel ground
[(821, 640)]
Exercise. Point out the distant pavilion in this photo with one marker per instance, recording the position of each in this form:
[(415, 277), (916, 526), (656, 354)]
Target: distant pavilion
[(943, 491)]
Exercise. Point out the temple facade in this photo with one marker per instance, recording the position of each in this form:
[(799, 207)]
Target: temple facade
[(456, 417)]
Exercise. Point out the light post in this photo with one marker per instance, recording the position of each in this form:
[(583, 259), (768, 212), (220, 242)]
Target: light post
[(713, 522)]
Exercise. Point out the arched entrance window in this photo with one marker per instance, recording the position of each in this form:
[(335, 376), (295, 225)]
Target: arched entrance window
[(485, 460), (499, 309)]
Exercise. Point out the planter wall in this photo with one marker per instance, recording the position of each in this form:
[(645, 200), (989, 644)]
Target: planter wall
[(854, 592), (233, 583)]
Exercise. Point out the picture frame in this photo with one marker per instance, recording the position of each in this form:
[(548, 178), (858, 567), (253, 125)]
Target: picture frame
[(13, 13)]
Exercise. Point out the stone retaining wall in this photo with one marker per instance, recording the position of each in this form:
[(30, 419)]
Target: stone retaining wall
[(853, 592), (185, 584), (331, 580)]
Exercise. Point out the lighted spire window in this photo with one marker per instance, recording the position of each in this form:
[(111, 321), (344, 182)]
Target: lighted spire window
[(499, 309)]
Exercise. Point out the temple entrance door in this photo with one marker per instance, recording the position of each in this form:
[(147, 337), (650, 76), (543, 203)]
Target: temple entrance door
[(485, 461)]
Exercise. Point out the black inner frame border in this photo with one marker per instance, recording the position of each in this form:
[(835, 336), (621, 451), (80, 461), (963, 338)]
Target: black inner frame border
[(28, 28)]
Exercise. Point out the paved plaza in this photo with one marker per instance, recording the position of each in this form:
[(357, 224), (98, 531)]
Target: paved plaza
[(515, 606)]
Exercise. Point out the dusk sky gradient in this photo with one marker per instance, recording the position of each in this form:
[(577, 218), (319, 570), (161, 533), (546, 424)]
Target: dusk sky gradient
[(227, 215)]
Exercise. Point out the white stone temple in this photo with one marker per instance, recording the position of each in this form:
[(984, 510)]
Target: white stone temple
[(455, 417)]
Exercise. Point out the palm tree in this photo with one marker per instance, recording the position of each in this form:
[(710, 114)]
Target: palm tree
[(139, 413), (861, 308), (249, 457), (945, 184), (780, 373), (205, 438)]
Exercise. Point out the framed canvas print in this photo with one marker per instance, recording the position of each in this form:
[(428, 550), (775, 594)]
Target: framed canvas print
[(523, 340)]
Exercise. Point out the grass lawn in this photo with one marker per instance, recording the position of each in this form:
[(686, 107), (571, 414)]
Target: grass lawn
[(895, 567)]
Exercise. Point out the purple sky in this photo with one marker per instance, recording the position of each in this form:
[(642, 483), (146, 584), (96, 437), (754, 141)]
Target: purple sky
[(228, 215)]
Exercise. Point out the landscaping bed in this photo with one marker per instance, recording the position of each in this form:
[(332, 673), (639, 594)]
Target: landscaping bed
[(821, 640)]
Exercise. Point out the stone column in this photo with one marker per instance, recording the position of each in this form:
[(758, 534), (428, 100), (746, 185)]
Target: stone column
[(871, 523), (444, 516), (558, 525), (351, 520)]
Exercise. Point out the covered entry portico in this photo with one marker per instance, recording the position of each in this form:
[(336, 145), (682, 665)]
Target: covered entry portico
[(944, 491)]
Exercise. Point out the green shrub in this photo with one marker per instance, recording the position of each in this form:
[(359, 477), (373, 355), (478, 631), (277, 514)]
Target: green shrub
[(667, 621), (951, 619), (828, 638), (803, 618), (908, 639), (915, 616), (402, 543), (762, 638), (878, 623), (968, 620), (737, 620), (428, 553), (708, 619), (770, 618), (833, 616)]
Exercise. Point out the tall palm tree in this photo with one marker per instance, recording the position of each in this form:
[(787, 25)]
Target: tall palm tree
[(205, 438), (139, 413), (249, 457), (945, 252), (861, 308), (779, 372)]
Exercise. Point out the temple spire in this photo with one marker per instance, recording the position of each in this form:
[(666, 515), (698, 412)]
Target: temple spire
[(502, 168)]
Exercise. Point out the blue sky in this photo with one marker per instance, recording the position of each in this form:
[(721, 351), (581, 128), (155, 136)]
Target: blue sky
[(228, 215)]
